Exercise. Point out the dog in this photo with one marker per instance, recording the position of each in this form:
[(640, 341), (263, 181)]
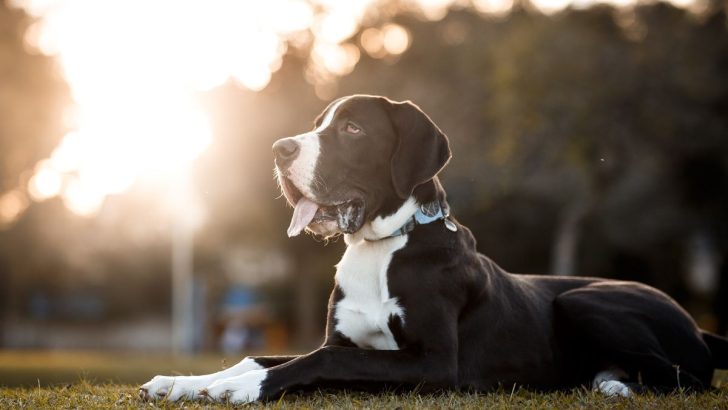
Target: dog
[(416, 306)]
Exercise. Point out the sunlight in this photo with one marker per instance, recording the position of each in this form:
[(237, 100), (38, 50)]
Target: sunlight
[(135, 89), (116, 145)]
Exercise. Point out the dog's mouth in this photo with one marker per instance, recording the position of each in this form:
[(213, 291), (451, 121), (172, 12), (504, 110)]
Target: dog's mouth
[(348, 215)]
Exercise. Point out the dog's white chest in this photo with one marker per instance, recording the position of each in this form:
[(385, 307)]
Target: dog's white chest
[(364, 312)]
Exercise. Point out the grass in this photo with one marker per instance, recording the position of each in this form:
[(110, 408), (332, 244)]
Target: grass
[(81, 380), (88, 395)]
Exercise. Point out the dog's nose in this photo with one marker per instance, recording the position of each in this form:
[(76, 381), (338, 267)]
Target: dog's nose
[(285, 150)]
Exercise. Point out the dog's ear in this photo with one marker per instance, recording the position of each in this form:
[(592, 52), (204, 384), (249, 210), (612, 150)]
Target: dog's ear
[(319, 119), (422, 150)]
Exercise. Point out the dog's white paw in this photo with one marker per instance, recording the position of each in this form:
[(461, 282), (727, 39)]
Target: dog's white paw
[(614, 388), (173, 388), (239, 389)]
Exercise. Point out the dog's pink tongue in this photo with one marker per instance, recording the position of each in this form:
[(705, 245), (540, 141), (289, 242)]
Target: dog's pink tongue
[(302, 216)]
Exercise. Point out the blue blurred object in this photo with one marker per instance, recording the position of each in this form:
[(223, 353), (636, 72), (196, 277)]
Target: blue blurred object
[(244, 318), (239, 297), (84, 306)]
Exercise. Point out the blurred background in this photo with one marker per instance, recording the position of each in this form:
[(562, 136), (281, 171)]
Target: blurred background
[(141, 229)]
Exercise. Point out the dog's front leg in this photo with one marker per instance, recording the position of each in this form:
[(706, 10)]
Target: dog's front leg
[(173, 388), (428, 369)]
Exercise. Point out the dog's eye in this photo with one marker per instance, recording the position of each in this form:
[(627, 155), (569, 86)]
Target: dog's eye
[(352, 129)]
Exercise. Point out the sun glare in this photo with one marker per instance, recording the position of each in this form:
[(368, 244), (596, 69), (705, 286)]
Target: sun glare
[(134, 68)]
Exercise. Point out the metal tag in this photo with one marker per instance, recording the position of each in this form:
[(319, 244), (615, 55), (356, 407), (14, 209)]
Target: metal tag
[(431, 209), (450, 225)]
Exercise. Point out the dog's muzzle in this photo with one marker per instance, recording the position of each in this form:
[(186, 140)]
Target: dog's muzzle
[(345, 216)]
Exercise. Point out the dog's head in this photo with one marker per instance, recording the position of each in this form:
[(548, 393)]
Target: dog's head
[(363, 160)]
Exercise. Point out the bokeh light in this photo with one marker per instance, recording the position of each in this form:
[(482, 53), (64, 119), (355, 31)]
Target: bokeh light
[(493, 7), (395, 38), (12, 203), (45, 183), (391, 39)]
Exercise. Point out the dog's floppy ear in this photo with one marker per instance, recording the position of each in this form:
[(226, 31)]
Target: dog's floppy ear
[(422, 150)]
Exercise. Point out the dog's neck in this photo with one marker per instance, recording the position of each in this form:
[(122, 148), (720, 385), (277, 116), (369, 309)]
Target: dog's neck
[(385, 227)]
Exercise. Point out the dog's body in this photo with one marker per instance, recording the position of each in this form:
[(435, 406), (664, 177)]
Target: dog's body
[(415, 304)]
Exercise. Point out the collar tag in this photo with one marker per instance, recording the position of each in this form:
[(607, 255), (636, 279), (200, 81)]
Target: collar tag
[(427, 213), (450, 225)]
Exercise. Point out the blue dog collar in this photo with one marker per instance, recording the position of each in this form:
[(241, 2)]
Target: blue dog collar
[(426, 213)]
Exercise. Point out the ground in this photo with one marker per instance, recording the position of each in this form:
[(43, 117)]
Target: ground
[(87, 395), (80, 380)]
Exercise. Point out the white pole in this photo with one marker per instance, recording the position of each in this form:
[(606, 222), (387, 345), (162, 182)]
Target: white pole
[(182, 271)]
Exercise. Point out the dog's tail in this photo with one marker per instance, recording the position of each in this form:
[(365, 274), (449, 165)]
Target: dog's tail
[(718, 346)]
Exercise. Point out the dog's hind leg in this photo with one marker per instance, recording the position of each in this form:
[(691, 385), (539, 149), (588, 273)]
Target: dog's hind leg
[(639, 330), (609, 383)]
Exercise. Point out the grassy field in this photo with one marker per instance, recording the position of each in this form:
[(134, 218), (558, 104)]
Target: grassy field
[(92, 380), (88, 395)]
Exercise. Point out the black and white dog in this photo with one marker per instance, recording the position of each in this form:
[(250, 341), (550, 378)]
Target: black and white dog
[(415, 304)]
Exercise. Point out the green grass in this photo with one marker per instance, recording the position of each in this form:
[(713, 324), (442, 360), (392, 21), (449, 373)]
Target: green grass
[(109, 380), (88, 395)]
